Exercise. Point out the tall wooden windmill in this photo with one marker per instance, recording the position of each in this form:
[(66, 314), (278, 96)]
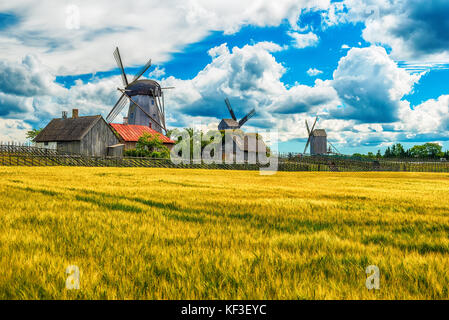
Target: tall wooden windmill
[(146, 99), (226, 124)]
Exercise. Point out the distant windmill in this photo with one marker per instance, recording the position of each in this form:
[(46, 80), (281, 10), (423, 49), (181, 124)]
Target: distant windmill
[(226, 124), (146, 99), (317, 138)]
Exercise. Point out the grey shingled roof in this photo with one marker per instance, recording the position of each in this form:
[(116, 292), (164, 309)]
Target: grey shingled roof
[(319, 133), (70, 129), (231, 122)]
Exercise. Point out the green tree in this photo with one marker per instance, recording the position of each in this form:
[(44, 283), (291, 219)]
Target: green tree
[(149, 145), (31, 134), (398, 151), (199, 135), (427, 150)]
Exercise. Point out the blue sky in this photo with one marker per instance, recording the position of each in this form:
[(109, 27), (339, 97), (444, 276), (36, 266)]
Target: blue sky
[(365, 73)]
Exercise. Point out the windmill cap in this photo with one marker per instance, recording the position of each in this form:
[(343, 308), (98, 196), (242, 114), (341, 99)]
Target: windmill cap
[(144, 87), (319, 133)]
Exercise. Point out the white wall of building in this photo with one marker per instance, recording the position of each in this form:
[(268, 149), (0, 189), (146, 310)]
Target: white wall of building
[(47, 145)]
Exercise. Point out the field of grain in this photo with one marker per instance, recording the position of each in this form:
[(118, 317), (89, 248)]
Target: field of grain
[(139, 233)]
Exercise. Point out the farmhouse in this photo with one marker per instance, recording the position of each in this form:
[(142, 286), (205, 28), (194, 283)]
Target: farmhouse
[(87, 135), (129, 134)]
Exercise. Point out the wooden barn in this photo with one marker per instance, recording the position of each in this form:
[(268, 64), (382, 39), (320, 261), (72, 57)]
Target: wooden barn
[(129, 134), (87, 135)]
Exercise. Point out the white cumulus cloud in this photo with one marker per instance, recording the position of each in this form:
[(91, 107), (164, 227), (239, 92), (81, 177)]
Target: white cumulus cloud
[(314, 72), (303, 40), (371, 85)]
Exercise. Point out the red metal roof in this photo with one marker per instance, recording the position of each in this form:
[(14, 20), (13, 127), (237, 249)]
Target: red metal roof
[(132, 132)]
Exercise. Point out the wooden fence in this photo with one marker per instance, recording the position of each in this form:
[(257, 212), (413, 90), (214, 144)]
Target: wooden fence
[(32, 156)]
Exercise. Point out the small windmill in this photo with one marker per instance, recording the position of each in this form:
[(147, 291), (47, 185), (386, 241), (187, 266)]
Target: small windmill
[(317, 138), (226, 124), (146, 99)]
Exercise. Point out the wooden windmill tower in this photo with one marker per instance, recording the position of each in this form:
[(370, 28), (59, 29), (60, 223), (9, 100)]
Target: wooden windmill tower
[(226, 124), (146, 99)]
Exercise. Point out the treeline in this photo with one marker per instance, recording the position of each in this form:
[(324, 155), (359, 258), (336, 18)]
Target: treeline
[(397, 151)]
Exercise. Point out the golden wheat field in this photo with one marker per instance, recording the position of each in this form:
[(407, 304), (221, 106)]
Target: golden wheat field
[(140, 233)]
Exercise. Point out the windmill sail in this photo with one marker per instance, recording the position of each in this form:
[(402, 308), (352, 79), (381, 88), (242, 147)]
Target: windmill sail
[(118, 107), (309, 132), (142, 71), (247, 117), (118, 59), (230, 109)]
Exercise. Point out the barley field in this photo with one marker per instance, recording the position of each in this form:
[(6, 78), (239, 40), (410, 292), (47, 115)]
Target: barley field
[(146, 233)]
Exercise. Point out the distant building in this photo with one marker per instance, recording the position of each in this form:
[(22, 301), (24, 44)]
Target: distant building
[(129, 134), (318, 142), (87, 135), (226, 124)]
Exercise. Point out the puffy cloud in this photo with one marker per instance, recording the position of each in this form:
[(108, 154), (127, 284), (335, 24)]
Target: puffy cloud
[(303, 40), (13, 130), (314, 72), (141, 30), (21, 84), (249, 76), (415, 30), (12, 106), (302, 99), (371, 85), (28, 92), (432, 116), (27, 78)]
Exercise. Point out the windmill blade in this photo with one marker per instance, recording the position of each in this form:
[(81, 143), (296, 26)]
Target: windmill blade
[(118, 59), (163, 102), (307, 144), (142, 71), (313, 127), (157, 102), (120, 104), (247, 117), (307, 126), (310, 133), (230, 109), (161, 114)]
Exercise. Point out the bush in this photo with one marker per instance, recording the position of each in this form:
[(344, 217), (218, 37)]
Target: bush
[(149, 145)]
